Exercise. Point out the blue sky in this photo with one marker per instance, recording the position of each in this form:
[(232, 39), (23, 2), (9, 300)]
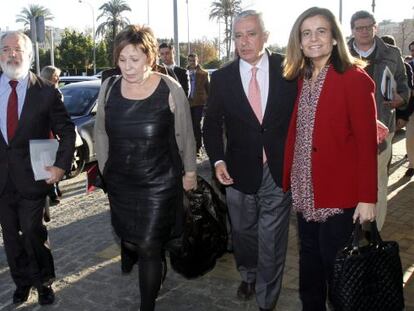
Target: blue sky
[(278, 15)]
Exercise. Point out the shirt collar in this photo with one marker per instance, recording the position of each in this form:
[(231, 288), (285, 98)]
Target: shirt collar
[(4, 82), (364, 53), (262, 64)]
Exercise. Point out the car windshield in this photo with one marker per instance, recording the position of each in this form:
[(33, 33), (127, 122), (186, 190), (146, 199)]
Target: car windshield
[(79, 100)]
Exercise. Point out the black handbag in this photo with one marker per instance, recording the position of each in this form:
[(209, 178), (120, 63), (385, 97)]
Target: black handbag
[(367, 277), (204, 238)]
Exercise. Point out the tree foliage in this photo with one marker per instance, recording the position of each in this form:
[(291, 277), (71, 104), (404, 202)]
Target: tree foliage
[(75, 52), (33, 10), (113, 22), (225, 11), (205, 49)]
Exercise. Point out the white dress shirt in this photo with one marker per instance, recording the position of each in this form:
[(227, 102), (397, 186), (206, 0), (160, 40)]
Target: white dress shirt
[(5, 90)]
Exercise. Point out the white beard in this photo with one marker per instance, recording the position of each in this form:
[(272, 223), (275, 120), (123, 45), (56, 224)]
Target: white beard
[(13, 71)]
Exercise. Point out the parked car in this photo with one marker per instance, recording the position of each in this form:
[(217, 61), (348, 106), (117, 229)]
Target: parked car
[(80, 99), (64, 80)]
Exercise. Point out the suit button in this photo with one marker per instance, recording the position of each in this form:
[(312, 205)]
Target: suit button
[(262, 130), (314, 149)]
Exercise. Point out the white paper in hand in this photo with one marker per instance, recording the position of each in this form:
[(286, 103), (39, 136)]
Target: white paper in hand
[(388, 84), (42, 154)]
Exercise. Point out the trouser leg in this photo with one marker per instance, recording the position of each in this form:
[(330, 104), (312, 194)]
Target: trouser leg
[(334, 235), (273, 231), (196, 114), (409, 141), (260, 225), (243, 216), (36, 242), (17, 257), (312, 284), (26, 240)]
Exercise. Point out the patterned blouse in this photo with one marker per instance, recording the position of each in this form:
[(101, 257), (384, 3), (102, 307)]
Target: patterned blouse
[(301, 176)]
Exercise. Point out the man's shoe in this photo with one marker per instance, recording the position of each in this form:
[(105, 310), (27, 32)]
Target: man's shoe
[(245, 291), (46, 296), (21, 294), (409, 173)]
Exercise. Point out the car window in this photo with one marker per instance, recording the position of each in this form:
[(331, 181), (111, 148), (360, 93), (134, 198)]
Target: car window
[(78, 101)]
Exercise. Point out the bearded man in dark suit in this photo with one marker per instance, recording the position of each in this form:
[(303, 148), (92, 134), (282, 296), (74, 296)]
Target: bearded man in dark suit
[(30, 108), (253, 103)]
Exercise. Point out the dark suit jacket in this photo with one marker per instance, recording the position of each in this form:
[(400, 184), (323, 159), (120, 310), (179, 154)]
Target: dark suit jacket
[(43, 111), (228, 105), (182, 77)]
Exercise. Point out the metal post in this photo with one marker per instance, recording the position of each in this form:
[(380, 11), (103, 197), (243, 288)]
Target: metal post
[(340, 11), (219, 42), (148, 13), (36, 45), (373, 6), (93, 33), (52, 49), (188, 30), (37, 58), (176, 42)]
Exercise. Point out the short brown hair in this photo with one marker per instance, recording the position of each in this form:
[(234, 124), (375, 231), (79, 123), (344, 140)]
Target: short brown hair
[(361, 15), (297, 65), (141, 37)]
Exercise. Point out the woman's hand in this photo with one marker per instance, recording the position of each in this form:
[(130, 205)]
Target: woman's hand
[(190, 181), (364, 212)]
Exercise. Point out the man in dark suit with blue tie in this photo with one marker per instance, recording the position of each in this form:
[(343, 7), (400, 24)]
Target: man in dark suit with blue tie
[(30, 108), (251, 101)]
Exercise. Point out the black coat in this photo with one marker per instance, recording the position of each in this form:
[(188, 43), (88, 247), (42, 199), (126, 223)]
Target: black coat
[(228, 105), (43, 112), (181, 76)]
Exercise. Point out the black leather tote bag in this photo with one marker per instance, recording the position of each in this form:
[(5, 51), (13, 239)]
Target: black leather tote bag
[(367, 276)]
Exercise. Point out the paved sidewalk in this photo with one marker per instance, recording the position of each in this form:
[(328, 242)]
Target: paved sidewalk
[(88, 268)]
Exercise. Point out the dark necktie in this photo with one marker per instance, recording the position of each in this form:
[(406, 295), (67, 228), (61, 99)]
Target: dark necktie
[(12, 114)]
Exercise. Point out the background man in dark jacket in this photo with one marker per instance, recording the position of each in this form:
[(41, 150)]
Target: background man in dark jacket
[(167, 53)]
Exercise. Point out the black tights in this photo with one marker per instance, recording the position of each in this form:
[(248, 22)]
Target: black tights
[(150, 271)]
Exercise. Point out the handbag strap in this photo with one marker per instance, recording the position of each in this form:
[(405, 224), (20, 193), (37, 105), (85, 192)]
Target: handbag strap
[(373, 237)]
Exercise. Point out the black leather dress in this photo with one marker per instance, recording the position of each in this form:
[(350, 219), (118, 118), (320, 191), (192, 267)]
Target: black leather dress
[(144, 169)]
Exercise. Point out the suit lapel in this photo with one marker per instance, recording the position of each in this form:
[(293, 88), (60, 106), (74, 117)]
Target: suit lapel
[(3, 141), (274, 86), (240, 96)]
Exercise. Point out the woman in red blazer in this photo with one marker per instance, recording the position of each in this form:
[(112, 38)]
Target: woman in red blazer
[(331, 149)]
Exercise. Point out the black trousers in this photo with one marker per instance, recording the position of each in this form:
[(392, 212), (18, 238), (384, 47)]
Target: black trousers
[(196, 115), (25, 239), (319, 244)]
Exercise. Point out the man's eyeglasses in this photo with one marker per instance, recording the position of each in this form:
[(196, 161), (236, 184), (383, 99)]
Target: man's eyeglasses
[(364, 28), (7, 50)]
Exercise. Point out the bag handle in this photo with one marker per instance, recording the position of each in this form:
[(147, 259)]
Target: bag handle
[(373, 237)]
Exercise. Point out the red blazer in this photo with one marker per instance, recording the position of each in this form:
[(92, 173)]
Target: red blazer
[(344, 150)]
